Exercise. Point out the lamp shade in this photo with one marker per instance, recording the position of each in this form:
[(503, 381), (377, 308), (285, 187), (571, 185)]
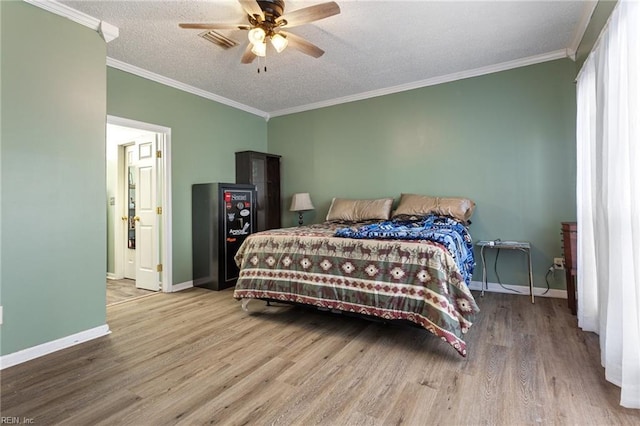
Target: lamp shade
[(279, 42), (301, 202), (256, 35), (259, 49)]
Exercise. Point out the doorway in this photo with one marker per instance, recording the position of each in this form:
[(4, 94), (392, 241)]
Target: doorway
[(139, 204)]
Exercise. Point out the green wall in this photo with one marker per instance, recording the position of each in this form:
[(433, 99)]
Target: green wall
[(204, 137), (505, 140), (52, 176)]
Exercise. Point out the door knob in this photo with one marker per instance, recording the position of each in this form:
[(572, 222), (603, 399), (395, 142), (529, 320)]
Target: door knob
[(124, 218), (136, 218)]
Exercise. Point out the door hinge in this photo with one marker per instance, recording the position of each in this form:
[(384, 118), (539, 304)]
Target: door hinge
[(159, 210), (159, 267), (158, 154)]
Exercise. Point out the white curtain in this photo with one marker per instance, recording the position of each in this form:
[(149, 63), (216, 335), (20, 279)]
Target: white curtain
[(608, 198)]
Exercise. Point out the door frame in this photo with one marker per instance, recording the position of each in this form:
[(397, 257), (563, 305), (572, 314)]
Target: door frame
[(165, 237)]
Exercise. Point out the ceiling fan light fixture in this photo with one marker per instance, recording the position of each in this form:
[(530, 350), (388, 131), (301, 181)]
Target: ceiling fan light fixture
[(259, 49), (266, 19), (279, 42), (256, 35)]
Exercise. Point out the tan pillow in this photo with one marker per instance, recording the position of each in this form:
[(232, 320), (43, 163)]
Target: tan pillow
[(422, 205), (355, 210)]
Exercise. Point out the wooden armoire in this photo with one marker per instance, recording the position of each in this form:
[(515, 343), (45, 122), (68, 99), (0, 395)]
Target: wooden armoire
[(263, 171)]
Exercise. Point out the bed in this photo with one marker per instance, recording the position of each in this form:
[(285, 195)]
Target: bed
[(414, 268)]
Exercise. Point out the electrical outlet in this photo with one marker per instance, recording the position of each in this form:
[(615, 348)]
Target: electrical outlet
[(558, 263), (1, 315)]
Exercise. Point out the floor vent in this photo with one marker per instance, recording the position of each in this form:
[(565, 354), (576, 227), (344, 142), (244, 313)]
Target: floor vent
[(218, 39)]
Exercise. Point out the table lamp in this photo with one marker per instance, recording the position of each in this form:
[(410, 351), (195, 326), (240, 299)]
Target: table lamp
[(301, 202)]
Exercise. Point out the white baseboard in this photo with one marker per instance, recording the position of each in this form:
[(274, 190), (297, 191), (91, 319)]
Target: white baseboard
[(28, 354), (522, 289), (112, 276), (182, 286)]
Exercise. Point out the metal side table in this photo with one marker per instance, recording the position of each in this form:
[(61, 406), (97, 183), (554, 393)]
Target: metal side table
[(522, 246)]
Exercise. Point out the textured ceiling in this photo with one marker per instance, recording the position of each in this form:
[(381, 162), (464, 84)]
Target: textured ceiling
[(371, 47)]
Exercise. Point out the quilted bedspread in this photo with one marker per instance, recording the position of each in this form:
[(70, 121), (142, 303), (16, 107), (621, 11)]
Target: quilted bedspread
[(440, 229), (412, 280)]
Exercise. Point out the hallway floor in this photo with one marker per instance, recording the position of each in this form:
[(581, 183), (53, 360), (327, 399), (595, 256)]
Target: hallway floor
[(119, 291)]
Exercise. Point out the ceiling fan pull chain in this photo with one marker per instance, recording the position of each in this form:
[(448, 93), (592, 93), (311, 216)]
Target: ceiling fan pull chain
[(260, 59)]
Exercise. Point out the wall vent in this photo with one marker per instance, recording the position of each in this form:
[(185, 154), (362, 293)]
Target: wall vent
[(218, 39)]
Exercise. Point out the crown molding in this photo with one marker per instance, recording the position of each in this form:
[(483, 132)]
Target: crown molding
[(141, 72), (107, 31), (504, 66), (587, 12)]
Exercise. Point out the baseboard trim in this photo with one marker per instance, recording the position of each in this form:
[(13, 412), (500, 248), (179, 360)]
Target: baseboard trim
[(522, 289), (111, 276), (182, 286), (28, 354)]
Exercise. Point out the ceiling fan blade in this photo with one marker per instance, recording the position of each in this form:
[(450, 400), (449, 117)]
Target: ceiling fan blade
[(311, 13), (252, 8), (248, 56), (303, 45), (214, 26)]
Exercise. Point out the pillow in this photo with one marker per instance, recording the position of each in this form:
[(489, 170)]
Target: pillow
[(422, 205), (357, 210)]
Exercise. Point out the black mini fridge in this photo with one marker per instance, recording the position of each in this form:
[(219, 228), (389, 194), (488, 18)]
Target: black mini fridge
[(222, 216)]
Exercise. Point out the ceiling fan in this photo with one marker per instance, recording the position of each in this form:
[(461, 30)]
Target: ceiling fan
[(266, 20)]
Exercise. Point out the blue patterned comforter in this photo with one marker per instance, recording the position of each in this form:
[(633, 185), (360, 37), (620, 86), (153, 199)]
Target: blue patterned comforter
[(440, 229)]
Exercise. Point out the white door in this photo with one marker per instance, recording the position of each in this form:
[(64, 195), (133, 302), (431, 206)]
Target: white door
[(129, 211), (146, 219)]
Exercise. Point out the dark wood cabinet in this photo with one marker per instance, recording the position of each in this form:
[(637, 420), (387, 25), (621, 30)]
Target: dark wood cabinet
[(263, 171), (569, 245)]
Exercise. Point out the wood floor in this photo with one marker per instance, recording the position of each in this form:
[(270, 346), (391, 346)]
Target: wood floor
[(119, 291), (194, 357)]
